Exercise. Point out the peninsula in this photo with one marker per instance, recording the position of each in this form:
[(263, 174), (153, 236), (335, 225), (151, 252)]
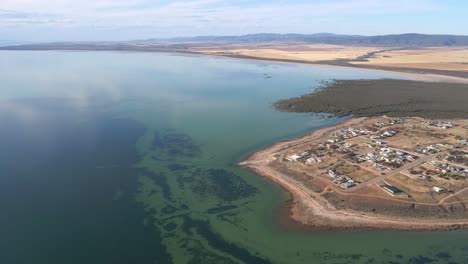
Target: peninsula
[(401, 161)]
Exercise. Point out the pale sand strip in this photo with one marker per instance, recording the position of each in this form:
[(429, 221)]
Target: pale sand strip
[(426, 77)]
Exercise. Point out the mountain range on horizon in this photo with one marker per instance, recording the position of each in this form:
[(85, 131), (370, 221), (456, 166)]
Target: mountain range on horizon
[(393, 40), (408, 39)]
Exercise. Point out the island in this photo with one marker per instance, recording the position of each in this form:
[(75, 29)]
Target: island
[(400, 161)]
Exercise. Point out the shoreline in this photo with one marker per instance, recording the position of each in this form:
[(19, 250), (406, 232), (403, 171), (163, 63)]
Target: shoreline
[(318, 214), (307, 210), (419, 74)]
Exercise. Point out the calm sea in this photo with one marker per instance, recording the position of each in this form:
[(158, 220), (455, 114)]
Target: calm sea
[(130, 158)]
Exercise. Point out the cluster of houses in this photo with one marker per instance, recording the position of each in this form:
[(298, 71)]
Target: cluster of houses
[(440, 124), (390, 157), (456, 156), (445, 168), (375, 143), (342, 181), (388, 133), (462, 140), (427, 150), (314, 159), (390, 122), (305, 156), (316, 154), (342, 148), (350, 132), (358, 158), (423, 174)]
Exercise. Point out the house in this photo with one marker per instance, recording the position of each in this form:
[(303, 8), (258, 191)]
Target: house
[(400, 153), (388, 134), (361, 158), (293, 157), (421, 150), (314, 160), (456, 168), (391, 189), (343, 179), (380, 167), (440, 124), (332, 174), (432, 149), (346, 185)]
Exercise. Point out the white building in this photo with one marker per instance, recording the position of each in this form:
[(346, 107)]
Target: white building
[(293, 157)]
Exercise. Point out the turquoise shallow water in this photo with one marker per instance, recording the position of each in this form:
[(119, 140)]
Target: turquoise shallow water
[(130, 157)]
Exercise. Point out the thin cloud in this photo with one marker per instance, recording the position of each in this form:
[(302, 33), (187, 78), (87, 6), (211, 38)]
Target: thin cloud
[(200, 17)]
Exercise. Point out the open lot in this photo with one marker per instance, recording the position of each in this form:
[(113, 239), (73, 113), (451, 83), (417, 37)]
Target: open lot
[(356, 172), (418, 189)]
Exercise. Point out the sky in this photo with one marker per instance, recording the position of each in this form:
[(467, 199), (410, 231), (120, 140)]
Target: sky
[(94, 20)]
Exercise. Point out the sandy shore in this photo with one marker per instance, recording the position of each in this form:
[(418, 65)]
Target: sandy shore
[(312, 210), (421, 75)]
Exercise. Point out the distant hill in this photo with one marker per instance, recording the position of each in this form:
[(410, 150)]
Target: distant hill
[(181, 43), (406, 40), (261, 37), (10, 42)]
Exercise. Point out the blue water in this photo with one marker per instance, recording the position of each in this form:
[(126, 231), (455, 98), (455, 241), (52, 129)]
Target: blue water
[(110, 157)]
